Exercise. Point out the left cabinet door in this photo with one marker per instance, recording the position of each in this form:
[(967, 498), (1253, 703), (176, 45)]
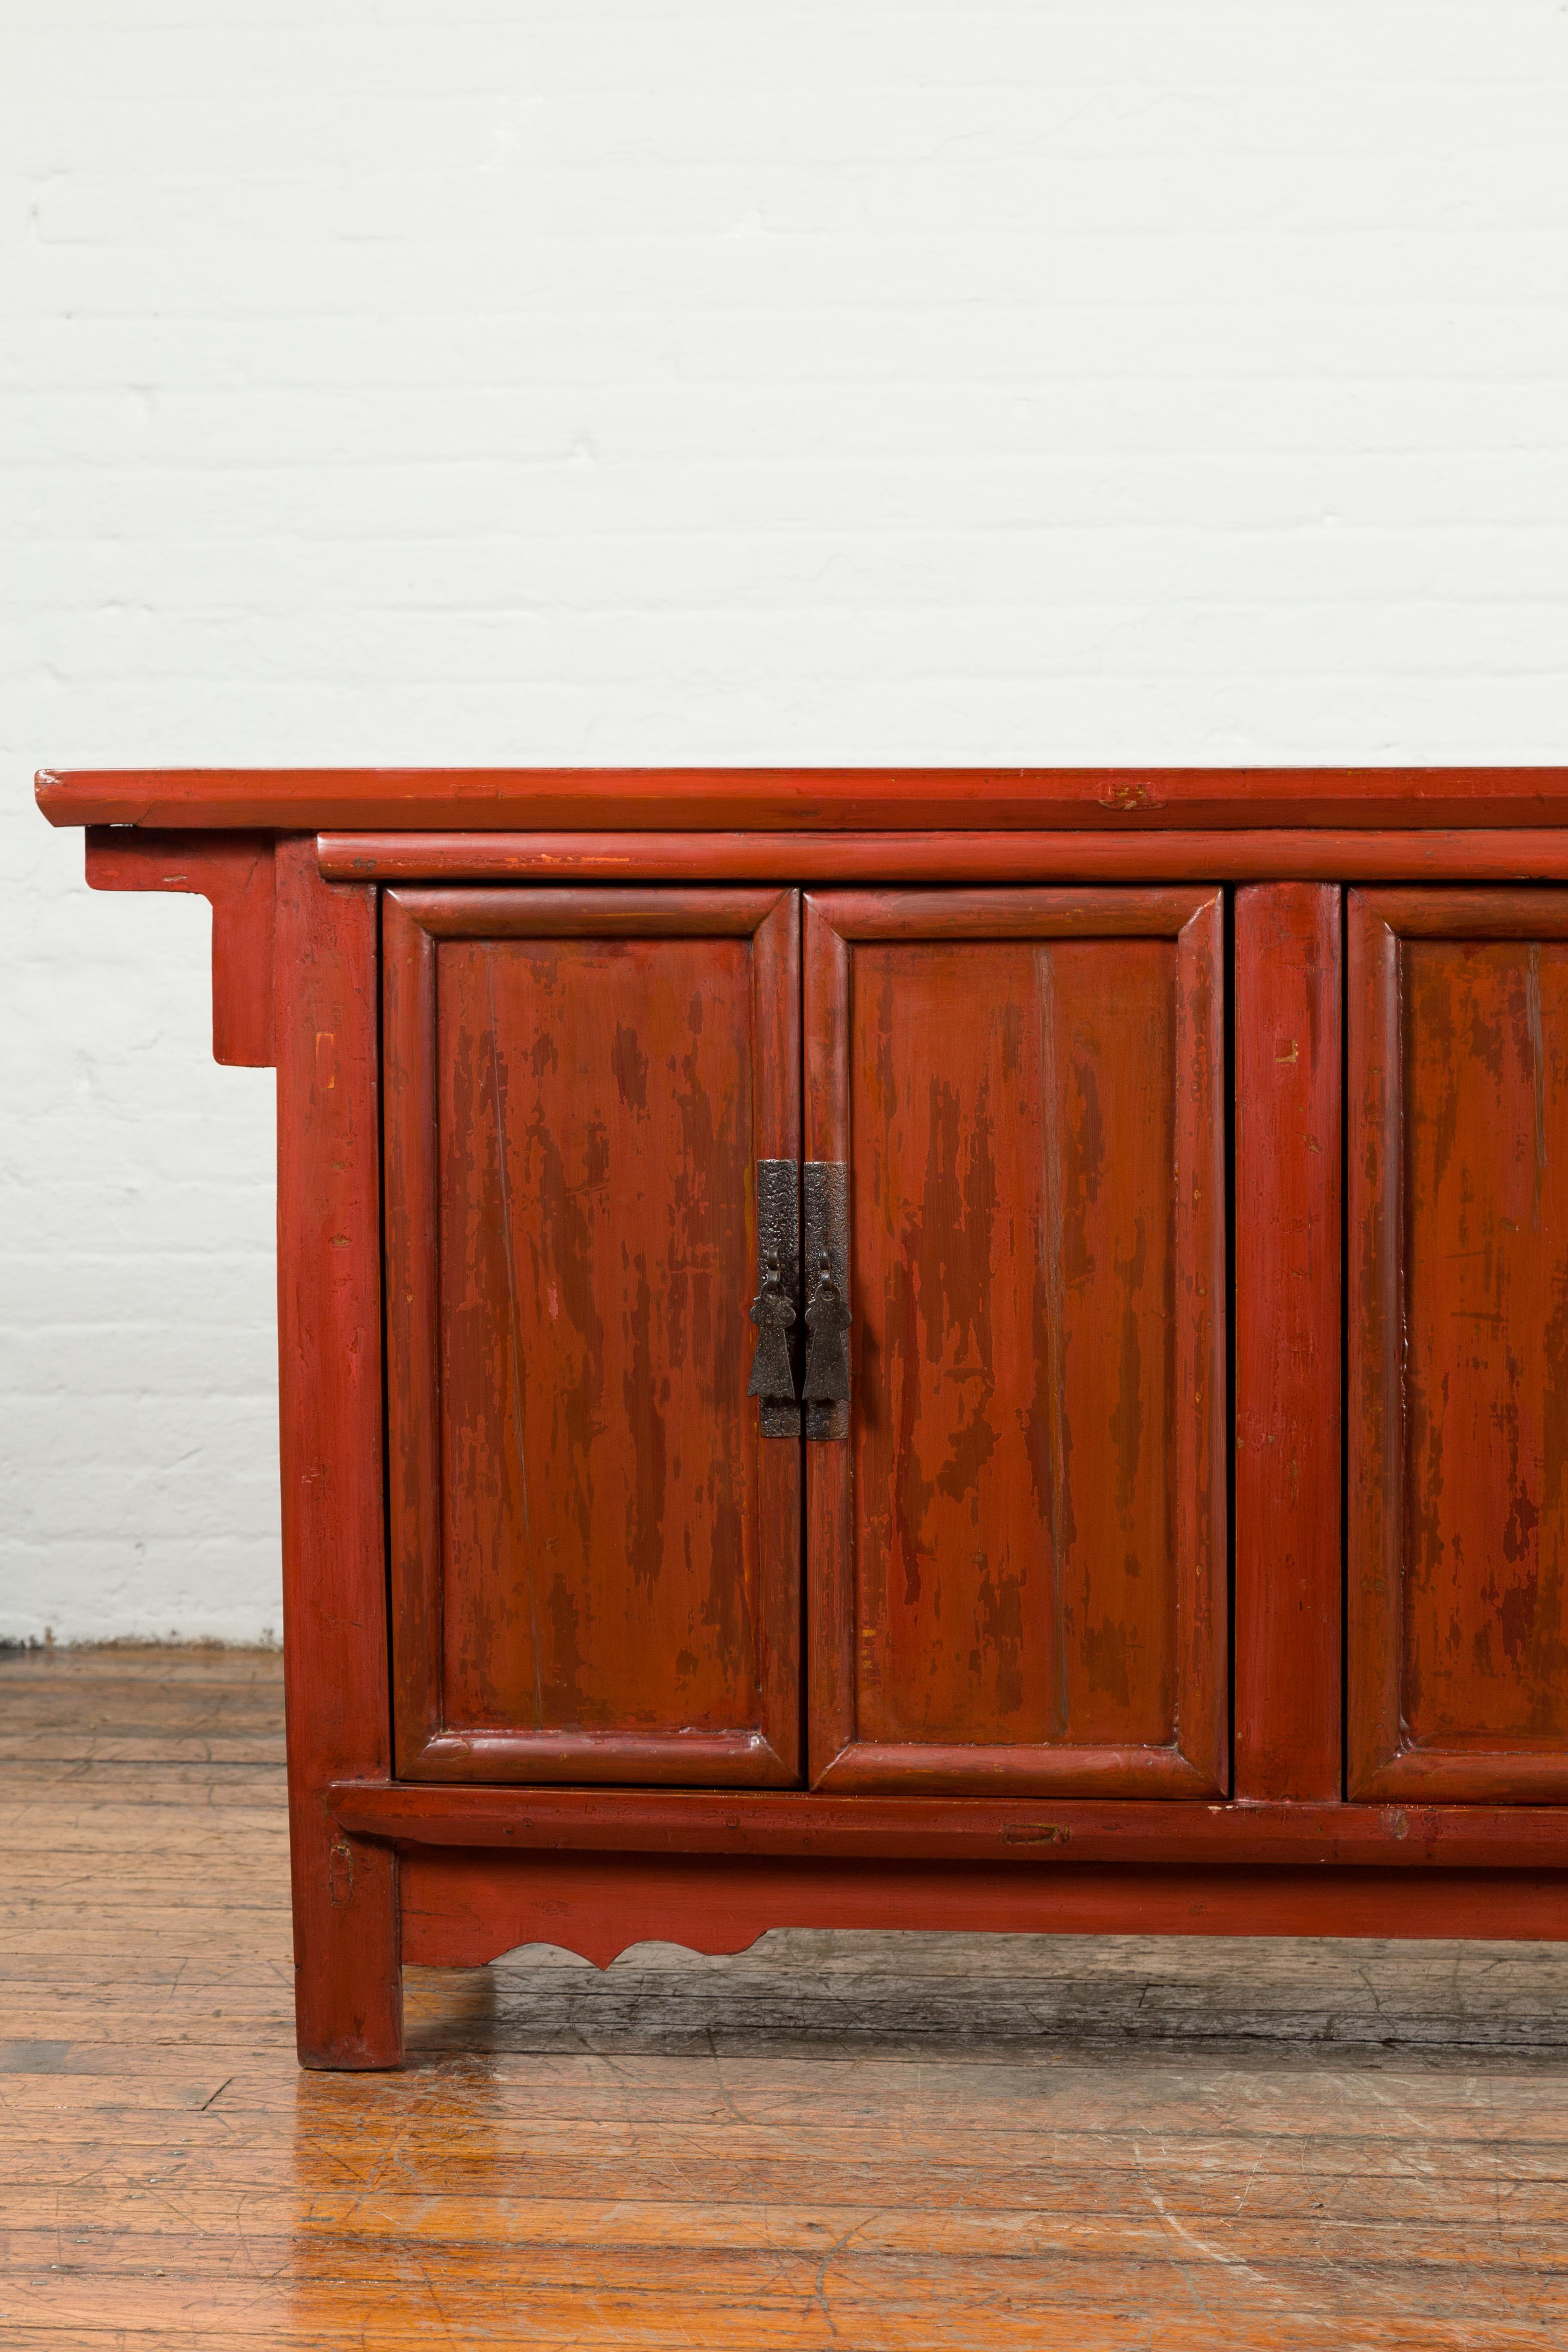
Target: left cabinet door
[(595, 1553)]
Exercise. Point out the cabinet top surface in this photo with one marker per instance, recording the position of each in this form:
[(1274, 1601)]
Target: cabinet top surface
[(301, 800)]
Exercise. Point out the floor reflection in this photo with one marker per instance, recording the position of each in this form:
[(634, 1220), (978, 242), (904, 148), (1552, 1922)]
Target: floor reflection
[(842, 2133)]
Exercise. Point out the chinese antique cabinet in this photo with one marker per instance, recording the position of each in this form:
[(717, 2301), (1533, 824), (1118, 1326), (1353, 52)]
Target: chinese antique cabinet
[(969, 1349)]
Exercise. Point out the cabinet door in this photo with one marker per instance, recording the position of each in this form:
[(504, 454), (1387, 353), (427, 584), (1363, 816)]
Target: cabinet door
[(1458, 1344), (1016, 1558), (595, 1554)]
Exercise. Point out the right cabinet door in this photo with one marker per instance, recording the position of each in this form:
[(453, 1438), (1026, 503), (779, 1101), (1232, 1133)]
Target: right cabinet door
[(1457, 1206), (1016, 1532)]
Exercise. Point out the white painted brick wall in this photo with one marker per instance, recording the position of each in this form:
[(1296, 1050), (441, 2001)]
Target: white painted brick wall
[(488, 380)]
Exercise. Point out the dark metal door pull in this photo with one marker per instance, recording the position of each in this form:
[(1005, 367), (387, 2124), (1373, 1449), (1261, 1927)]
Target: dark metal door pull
[(773, 1374), (828, 1348), (828, 1311), (774, 1310), (785, 1402)]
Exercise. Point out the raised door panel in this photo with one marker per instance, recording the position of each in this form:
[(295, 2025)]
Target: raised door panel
[(1458, 1597), (595, 1554), (1017, 1559)]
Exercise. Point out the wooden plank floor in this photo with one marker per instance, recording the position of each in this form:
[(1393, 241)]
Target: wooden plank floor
[(833, 2141)]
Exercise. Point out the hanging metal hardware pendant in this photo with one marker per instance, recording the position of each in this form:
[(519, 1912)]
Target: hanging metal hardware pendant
[(775, 1310), (773, 1374), (828, 1348), (828, 1311), (787, 1401)]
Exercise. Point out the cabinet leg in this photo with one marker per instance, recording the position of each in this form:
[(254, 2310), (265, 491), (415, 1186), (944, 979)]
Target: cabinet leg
[(347, 1947), (348, 1974)]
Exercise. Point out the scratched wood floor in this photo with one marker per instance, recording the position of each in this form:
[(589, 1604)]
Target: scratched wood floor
[(833, 2141)]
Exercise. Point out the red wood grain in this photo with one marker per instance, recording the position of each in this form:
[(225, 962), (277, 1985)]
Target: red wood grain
[(348, 1991), (460, 1910), (973, 1827), (1459, 1404), (1289, 1568), (1017, 1565), (999, 914), (1018, 1625), (595, 1554), (552, 799), (567, 913), (234, 872), (1306, 854)]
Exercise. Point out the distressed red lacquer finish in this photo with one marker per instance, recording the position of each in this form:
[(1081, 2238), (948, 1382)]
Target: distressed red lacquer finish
[(1459, 1336), (1325, 853), (595, 1552), (975, 1827), (575, 1711), (349, 1997), (785, 799), (1018, 1563), (234, 871), (463, 1909), (1288, 1567)]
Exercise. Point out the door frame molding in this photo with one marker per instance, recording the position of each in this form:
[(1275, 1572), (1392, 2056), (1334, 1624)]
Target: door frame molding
[(1196, 1763), (1380, 1760), (427, 1748)]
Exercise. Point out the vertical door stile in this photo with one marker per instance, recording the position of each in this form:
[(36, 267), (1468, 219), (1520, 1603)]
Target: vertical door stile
[(830, 1627), (1288, 1209), (776, 986), (414, 1372), (1202, 1438)]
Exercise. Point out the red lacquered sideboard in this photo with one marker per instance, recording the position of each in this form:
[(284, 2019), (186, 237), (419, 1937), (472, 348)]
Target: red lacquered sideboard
[(941, 1348)]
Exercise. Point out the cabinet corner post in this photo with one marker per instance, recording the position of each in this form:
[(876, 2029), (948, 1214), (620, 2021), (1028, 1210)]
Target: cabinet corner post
[(348, 1981)]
